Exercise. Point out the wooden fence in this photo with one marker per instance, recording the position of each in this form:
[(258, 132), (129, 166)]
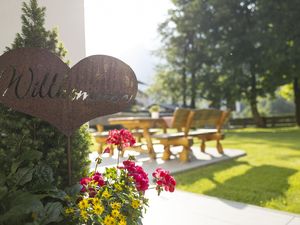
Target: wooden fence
[(274, 121)]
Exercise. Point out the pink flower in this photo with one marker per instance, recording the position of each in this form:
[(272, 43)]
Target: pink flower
[(164, 180), (98, 178), (84, 182), (121, 138), (139, 175), (128, 163)]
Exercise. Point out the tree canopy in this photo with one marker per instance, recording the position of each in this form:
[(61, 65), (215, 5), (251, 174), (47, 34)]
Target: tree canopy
[(227, 50)]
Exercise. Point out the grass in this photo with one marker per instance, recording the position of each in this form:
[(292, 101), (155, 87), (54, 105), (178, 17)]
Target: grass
[(269, 176)]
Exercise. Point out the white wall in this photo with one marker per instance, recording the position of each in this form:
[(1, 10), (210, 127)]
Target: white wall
[(67, 15)]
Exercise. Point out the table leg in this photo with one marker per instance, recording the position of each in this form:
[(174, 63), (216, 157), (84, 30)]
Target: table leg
[(147, 136)]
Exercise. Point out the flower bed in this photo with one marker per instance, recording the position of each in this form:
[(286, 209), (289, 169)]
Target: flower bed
[(116, 196)]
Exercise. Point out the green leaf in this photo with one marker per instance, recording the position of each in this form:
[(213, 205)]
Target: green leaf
[(58, 194), (23, 175), (3, 191), (19, 206), (2, 178), (42, 179), (15, 166), (73, 190), (28, 155), (53, 213), (31, 155)]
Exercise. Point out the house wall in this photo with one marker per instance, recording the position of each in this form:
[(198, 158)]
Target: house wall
[(67, 15)]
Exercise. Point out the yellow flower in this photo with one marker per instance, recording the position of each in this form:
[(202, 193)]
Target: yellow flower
[(98, 209), (115, 213), (122, 222), (118, 187), (96, 201), (135, 203), (122, 217), (83, 204), (115, 205), (69, 211), (106, 194), (108, 220), (84, 215)]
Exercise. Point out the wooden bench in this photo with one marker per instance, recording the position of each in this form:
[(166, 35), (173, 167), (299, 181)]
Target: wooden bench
[(101, 136), (179, 121), (183, 121), (208, 124)]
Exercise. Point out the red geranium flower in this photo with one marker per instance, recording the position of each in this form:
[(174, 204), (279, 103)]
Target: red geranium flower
[(139, 175), (164, 180), (122, 138), (84, 182), (98, 179)]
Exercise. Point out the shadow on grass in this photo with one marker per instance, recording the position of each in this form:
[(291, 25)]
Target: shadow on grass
[(208, 172), (257, 186)]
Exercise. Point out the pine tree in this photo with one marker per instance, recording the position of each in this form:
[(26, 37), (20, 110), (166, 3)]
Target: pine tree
[(20, 132), (34, 33)]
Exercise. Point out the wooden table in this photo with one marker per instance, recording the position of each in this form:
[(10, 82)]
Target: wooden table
[(144, 123)]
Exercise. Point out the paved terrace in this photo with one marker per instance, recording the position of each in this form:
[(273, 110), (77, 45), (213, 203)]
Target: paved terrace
[(198, 159), (182, 208)]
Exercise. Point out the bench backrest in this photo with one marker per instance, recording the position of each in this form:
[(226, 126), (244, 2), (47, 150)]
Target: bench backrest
[(180, 118), (208, 118)]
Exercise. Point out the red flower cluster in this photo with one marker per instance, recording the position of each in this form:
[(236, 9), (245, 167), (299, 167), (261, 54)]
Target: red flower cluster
[(122, 138), (164, 180), (139, 175), (96, 178)]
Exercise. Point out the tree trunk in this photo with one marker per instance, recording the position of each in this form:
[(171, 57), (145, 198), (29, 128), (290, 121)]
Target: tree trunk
[(193, 94), (216, 104), (259, 121), (297, 100), (230, 104), (184, 86)]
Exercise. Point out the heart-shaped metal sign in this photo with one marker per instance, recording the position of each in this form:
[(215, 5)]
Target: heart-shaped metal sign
[(36, 82)]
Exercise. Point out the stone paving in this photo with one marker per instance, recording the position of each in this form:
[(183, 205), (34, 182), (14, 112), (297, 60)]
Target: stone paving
[(198, 159), (182, 208)]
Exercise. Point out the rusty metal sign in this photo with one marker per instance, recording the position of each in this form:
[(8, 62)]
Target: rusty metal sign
[(36, 82)]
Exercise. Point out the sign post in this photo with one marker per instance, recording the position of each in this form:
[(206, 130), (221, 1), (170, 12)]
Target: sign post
[(36, 82)]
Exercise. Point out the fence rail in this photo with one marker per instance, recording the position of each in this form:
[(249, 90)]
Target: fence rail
[(270, 121)]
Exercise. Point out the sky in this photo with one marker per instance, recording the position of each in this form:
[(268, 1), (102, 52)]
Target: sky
[(126, 30)]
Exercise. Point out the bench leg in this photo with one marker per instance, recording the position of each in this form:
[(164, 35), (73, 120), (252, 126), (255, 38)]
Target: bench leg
[(219, 147), (167, 153), (139, 139), (184, 155), (100, 149), (202, 147)]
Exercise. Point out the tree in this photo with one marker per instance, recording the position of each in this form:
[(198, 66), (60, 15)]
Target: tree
[(34, 33), (182, 49), (284, 39), (20, 132), (174, 52), (166, 81), (226, 45)]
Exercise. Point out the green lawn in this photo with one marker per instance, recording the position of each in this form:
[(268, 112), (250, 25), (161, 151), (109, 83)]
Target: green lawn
[(268, 176)]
